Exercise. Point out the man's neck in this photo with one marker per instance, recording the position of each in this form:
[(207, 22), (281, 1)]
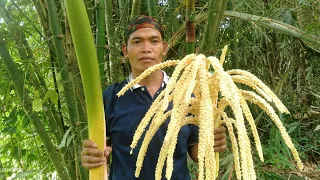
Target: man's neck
[(154, 79)]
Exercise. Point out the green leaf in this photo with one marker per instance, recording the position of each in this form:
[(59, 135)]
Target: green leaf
[(309, 71), (287, 17), (317, 128), (70, 139), (64, 139), (10, 130), (24, 174), (37, 105), (53, 95), (292, 127), (36, 94)]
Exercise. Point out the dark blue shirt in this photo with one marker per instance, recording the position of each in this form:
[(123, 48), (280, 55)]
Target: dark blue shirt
[(123, 116)]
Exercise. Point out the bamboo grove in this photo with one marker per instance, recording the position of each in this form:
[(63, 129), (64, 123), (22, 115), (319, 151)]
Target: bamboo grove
[(42, 103), (192, 89)]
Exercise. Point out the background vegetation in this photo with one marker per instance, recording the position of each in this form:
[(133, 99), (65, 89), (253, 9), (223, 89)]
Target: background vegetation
[(42, 109)]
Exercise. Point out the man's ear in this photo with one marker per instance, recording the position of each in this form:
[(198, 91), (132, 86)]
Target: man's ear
[(165, 48), (124, 50)]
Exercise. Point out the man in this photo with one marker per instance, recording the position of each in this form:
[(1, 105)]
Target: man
[(144, 48)]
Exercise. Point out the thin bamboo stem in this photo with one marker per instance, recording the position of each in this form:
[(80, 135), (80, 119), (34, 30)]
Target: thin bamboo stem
[(190, 27), (114, 64), (277, 25), (100, 37), (136, 5), (173, 21), (152, 6), (211, 25), (311, 39), (63, 67)]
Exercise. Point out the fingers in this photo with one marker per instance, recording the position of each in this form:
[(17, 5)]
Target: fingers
[(220, 141), (88, 165), (219, 130), (90, 144), (219, 136), (89, 161), (220, 148), (92, 152), (219, 133), (107, 151), (91, 156), (93, 160), (220, 145)]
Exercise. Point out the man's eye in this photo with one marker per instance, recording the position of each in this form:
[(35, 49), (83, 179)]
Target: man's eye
[(155, 41), (135, 42)]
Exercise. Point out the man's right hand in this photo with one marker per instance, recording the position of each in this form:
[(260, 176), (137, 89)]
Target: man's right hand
[(91, 156)]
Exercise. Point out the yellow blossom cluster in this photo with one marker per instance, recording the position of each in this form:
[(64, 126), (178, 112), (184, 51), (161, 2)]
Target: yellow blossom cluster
[(192, 89)]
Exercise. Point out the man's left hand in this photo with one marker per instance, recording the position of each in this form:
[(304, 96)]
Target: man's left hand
[(220, 142)]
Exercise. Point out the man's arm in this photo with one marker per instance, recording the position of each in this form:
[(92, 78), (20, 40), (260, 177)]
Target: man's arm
[(220, 143)]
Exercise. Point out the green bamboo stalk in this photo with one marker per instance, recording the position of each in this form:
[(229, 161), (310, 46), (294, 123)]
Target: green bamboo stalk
[(100, 37), (76, 79), (311, 39), (65, 79), (41, 16), (173, 21), (89, 69), (144, 7), (233, 46), (17, 78), (190, 27), (124, 13), (122, 5), (89, 7), (61, 15), (116, 73), (79, 101), (221, 16), (63, 67), (211, 25), (152, 6), (277, 25), (136, 5)]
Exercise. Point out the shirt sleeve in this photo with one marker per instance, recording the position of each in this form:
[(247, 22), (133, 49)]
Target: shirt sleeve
[(194, 135)]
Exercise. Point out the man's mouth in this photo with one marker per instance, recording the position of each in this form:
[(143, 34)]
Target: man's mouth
[(146, 58)]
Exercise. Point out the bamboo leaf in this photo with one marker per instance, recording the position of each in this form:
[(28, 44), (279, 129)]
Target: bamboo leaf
[(64, 140), (69, 140), (24, 174), (37, 105), (317, 128), (53, 95)]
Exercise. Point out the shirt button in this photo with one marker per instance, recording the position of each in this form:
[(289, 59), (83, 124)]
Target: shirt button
[(142, 89)]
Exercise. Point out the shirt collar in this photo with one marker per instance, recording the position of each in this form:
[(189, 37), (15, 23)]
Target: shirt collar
[(164, 81)]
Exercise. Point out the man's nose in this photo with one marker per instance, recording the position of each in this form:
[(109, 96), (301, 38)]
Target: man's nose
[(146, 47)]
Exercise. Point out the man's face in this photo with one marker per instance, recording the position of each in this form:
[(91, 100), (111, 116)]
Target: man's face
[(144, 49)]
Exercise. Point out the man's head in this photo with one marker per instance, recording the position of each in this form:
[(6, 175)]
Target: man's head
[(144, 45), (142, 22)]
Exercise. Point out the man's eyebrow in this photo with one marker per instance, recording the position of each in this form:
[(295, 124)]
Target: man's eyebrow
[(151, 37), (137, 37)]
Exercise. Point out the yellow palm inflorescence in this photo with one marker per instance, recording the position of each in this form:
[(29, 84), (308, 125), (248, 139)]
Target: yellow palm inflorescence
[(194, 93)]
